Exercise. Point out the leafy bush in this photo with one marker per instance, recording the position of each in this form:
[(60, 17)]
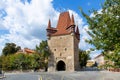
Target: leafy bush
[(21, 61)]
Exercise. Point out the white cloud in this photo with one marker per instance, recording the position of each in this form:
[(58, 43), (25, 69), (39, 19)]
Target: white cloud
[(99, 12), (26, 23)]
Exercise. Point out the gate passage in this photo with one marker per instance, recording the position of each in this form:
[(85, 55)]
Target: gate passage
[(60, 66)]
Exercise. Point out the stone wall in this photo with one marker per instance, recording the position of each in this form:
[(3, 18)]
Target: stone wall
[(64, 48)]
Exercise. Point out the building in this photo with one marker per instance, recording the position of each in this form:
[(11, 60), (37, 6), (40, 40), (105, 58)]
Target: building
[(29, 51), (99, 60), (26, 51), (90, 63), (63, 44)]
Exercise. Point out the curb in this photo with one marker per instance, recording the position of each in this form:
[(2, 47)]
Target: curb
[(1, 77)]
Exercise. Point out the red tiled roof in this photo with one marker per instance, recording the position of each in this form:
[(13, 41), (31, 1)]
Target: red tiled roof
[(28, 50), (72, 20), (64, 25)]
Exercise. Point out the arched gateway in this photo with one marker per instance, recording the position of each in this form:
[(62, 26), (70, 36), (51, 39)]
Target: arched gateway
[(63, 43), (60, 66)]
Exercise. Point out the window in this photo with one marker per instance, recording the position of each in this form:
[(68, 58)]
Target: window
[(60, 37), (65, 49), (54, 49), (60, 54)]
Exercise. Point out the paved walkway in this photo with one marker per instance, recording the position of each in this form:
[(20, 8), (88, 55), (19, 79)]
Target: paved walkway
[(83, 75)]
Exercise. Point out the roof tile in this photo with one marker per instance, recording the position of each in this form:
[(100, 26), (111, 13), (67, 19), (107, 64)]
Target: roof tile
[(63, 26)]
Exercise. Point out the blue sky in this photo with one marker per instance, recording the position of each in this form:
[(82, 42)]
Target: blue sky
[(86, 5), (24, 21)]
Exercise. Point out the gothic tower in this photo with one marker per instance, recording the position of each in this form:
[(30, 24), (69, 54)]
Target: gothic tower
[(63, 44)]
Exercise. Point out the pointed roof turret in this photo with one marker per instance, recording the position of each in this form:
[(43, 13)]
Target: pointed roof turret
[(49, 24), (77, 31), (72, 20), (64, 20), (65, 25)]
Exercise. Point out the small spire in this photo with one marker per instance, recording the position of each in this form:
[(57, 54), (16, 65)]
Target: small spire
[(72, 20), (77, 31), (49, 24)]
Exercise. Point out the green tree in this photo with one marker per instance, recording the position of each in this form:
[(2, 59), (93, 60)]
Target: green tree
[(83, 57), (43, 50), (10, 48), (104, 29), (21, 62), (6, 63), (37, 61), (1, 62)]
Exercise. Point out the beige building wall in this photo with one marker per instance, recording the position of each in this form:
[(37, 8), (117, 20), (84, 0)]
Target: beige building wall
[(100, 60), (63, 48)]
